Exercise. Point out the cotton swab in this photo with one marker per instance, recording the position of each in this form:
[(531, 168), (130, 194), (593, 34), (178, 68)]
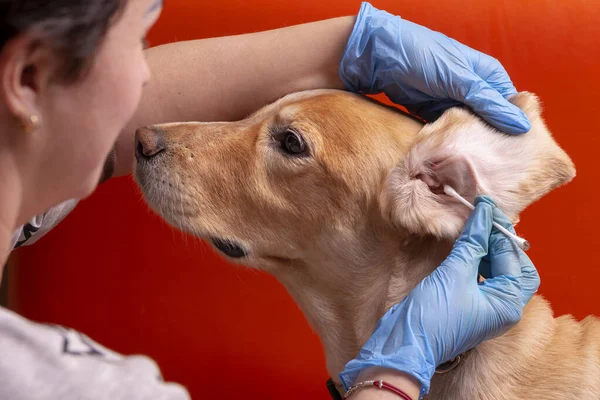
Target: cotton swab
[(522, 243)]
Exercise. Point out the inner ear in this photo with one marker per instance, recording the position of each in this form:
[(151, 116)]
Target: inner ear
[(28, 77), (455, 171), (413, 197)]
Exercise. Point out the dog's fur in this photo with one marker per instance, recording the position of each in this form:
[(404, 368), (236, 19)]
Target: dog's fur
[(355, 222)]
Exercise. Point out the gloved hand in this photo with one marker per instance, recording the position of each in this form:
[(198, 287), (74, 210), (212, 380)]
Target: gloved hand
[(450, 312), (426, 71)]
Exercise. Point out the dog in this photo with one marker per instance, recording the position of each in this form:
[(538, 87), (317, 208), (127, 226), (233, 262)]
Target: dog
[(340, 198)]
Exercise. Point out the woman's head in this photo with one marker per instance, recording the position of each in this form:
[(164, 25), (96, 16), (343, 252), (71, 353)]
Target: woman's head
[(74, 28), (78, 66)]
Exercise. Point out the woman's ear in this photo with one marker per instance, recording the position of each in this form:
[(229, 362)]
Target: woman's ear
[(25, 71)]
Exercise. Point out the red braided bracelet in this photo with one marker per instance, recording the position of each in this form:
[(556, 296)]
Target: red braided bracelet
[(378, 384)]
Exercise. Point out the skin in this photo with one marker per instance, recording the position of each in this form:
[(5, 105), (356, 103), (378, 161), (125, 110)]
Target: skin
[(404, 382)]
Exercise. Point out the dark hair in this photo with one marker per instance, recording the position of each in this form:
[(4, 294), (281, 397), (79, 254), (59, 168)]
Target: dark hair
[(74, 28)]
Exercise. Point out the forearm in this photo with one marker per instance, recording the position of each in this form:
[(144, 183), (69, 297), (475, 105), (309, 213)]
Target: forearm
[(230, 77), (402, 381)]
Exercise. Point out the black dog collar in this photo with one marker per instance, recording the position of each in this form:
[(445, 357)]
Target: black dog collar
[(335, 395)]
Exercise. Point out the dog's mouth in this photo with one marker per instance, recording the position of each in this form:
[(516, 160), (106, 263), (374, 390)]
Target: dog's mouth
[(229, 247), (163, 192)]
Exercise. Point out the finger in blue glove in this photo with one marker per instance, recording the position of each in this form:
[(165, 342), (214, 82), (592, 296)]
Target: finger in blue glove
[(426, 71)]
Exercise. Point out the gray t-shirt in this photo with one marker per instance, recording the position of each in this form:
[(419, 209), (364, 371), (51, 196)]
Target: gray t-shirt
[(47, 362)]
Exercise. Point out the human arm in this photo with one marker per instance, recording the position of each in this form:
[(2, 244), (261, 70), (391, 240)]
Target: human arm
[(228, 78), (401, 380)]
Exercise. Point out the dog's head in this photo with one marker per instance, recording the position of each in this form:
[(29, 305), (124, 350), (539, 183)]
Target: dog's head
[(315, 169), (267, 189), (340, 197)]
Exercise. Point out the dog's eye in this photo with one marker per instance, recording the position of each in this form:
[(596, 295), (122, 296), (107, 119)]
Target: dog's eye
[(292, 143)]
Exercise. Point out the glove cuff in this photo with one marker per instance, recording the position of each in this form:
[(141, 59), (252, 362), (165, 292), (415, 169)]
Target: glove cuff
[(358, 64), (409, 364)]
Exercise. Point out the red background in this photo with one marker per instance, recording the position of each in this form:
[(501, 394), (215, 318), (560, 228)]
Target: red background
[(117, 273)]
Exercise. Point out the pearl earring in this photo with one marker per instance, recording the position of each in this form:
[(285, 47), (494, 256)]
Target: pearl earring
[(30, 124)]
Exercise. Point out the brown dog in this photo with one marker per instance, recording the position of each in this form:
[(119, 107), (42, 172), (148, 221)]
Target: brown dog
[(339, 197)]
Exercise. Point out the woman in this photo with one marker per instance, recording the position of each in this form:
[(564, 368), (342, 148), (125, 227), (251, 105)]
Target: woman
[(72, 74)]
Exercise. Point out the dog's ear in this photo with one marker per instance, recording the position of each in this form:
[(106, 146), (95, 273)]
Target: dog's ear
[(462, 151)]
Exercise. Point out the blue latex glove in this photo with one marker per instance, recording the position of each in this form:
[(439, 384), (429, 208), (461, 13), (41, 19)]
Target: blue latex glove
[(450, 312), (426, 71)]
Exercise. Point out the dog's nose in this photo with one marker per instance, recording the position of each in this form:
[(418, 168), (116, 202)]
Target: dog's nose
[(149, 142)]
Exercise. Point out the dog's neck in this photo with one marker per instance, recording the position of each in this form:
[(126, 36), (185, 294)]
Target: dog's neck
[(343, 295)]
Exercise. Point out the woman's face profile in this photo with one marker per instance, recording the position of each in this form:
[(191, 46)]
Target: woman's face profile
[(81, 121)]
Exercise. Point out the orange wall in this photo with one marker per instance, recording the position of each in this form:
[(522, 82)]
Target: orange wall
[(117, 273)]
